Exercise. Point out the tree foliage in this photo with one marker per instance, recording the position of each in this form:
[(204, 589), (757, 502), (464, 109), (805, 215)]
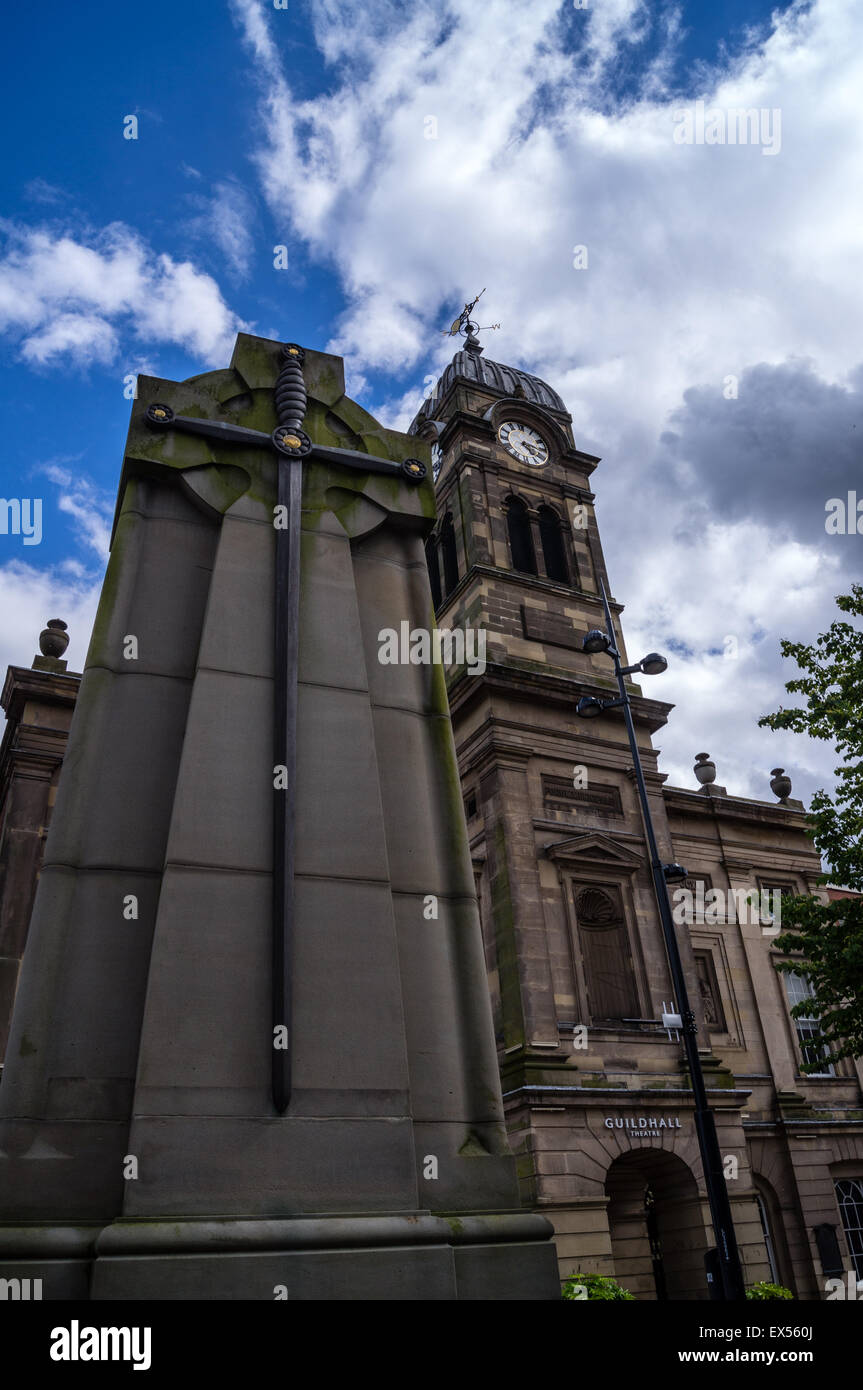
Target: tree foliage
[(595, 1286), (769, 1292), (829, 936)]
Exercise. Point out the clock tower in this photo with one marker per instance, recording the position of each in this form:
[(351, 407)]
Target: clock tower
[(516, 553), (575, 957)]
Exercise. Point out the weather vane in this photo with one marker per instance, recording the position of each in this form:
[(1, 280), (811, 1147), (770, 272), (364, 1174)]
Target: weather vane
[(464, 326)]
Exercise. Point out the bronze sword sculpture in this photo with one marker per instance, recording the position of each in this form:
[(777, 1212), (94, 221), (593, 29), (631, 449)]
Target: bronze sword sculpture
[(291, 443)]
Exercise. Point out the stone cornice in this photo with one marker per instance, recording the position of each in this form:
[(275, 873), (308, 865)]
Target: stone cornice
[(553, 689), (631, 1099), (695, 803), (50, 687), (533, 582), (499, 752)]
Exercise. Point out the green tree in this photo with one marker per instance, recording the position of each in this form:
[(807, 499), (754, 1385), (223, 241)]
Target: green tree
[(595, 1286), (829, 936)]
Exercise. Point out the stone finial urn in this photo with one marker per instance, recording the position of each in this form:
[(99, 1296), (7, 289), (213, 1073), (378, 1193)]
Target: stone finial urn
[(54, 639), (780, 785), (705, 769)]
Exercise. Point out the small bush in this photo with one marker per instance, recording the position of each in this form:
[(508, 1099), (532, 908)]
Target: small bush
[(597, 1285), (768, 1291)]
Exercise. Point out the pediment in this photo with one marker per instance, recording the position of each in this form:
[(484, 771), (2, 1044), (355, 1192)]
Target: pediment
[(594, 848)]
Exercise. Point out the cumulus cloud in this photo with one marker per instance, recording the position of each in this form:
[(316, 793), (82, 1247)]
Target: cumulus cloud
[(460, 145), (89, 337), (62, 296), (716, 601)]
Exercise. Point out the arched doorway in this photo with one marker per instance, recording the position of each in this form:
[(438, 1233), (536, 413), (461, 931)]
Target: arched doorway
[(658, 1240)]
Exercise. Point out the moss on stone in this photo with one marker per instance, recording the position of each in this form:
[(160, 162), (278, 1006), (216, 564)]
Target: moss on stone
[(503, 915)]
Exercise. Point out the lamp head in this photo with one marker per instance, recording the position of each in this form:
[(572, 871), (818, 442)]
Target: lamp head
[(588, 707), (674, 873), (595, 641), (653, 664)]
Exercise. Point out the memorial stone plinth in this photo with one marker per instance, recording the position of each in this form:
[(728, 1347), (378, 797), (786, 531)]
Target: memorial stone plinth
[(151, 1146)]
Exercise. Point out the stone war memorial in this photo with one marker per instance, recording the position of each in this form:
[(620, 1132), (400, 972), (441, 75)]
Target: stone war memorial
[(251, 1055)]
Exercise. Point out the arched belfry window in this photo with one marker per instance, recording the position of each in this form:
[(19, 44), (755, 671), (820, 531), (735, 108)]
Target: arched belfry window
[(605, 952), (553, 551), (449, 555), (433, 562), (520, 538)]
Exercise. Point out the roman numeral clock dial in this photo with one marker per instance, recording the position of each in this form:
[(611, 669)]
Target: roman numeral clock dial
[(524, 443)]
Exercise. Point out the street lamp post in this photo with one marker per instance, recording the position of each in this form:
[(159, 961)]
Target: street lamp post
[(731, 1273)]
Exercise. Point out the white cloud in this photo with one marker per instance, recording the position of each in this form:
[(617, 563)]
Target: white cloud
[(225, 220), (69, 589), (91, 338), (64, 297), (704, 261), (88, 504), (30, 596), (697, 602)]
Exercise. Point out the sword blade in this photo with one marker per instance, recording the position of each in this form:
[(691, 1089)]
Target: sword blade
[(290, 491)]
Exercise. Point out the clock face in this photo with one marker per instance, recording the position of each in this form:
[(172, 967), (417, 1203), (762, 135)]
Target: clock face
[(524, 443)]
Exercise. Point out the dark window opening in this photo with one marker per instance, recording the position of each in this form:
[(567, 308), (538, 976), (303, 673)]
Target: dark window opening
[(520, 538), (553, 550), (470, 805)]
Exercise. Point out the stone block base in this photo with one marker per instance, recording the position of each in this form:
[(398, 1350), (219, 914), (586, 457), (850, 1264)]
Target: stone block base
[(401, 1257)]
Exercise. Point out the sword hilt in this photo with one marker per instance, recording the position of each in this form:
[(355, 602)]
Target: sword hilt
[(291, 395)]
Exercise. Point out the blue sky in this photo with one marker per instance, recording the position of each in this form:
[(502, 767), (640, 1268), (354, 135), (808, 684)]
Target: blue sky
[(306, 127)]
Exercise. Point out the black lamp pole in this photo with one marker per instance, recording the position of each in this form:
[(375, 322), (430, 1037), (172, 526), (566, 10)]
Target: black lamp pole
[(731, 1272)]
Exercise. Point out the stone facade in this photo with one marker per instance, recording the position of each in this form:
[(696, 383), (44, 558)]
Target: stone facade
[(598, 1101), (39, 701)]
